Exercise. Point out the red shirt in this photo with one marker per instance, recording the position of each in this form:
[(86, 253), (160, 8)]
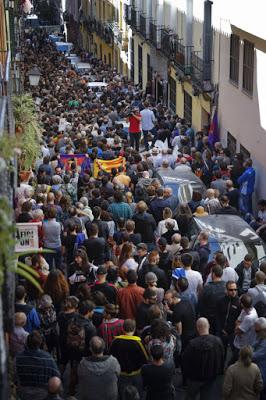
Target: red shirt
[(134, 124)]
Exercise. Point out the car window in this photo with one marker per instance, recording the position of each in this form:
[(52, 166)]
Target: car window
[(185, 192)]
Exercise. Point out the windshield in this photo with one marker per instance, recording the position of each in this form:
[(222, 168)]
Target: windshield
[(182, 192)]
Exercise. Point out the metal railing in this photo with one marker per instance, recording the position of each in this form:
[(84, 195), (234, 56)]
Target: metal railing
[(153, 33), (197, 67), (143, 26), (4, 71), (182, 57), (168, 39), (134, 19), (128, 14)]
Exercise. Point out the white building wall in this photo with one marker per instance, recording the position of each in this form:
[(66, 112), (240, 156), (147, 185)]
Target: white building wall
[(242, 115)]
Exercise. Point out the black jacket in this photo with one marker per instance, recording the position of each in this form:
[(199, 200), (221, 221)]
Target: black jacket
[(96, 250), (161, 276), (240, 273), (203, 358), (145, 225), (212, 293), (228, 310)]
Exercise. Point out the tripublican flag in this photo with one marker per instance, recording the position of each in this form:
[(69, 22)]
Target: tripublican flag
[(81, 160), (214, 129), (107, 165)]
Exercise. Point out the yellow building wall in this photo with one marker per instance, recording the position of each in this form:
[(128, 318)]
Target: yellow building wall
[(199, 104), (138, 40)]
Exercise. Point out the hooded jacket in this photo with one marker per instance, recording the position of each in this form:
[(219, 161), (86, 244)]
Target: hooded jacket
[(145, 225), (97, 377)]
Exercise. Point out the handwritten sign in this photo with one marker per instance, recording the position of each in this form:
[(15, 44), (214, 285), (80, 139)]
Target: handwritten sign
[(27, 238)]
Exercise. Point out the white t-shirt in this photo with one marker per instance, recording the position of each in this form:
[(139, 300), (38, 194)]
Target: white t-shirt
[(229, 274), (131, 264), (194, 281), (247, 326)]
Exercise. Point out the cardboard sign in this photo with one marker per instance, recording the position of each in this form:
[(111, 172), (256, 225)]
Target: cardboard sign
[(27, 236)]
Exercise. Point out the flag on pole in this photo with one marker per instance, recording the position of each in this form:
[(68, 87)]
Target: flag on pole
[(107, 165), (214, 129)]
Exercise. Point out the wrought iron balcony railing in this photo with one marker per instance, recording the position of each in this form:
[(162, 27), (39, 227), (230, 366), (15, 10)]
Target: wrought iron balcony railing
[(197, 67), (128, 14), (134, 18), (182, 57), (168, 39), (143, 27), (154, 34)]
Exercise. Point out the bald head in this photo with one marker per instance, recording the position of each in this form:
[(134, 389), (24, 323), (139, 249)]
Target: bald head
[(203, 326), (54, 385)]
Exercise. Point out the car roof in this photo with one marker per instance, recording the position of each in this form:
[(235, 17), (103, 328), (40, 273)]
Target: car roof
[(227, 228), (179, 176)]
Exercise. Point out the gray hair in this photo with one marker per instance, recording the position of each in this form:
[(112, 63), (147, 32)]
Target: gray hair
[(38, 213), (261, 322), (84, 201)]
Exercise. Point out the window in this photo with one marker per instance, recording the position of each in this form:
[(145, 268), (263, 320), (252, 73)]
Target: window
[(248, 67), (244, 152), (172, 94), (187, 107), (231, 143), (234, 58)]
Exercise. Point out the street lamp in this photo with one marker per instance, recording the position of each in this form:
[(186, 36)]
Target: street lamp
[(34, 75)]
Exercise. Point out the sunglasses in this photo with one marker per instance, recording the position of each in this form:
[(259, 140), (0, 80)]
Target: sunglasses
[(232, 290)]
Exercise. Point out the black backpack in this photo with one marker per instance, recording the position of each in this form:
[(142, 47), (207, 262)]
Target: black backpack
[(76, 336), (260, 306)]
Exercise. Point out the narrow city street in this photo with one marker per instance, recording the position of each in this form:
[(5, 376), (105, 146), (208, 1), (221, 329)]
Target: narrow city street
[(132, 200)]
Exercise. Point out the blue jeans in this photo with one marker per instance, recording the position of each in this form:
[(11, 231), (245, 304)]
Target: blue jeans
[(245, 203), (54, 259), (145, 137)]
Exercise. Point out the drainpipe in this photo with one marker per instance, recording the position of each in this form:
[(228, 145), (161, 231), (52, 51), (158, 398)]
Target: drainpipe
[(207, 40)]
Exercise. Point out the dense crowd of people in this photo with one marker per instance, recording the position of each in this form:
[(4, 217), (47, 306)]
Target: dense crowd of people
[(127, 305)]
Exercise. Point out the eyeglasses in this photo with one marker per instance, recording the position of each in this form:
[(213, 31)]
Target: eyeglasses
[(232, 290)]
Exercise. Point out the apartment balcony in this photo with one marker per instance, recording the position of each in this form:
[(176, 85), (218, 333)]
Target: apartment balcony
[(143, 27), (4, 72), (182, 57), (197, 72), (134, 19), (115, 32), (154, 35), (168, 40), (127, 14)]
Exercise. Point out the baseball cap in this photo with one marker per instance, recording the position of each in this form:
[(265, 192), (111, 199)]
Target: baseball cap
[(142, 246), (101, 270)]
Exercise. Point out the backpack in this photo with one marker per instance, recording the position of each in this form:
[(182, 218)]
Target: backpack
[(48, 321), (76, 336), (260, 306)]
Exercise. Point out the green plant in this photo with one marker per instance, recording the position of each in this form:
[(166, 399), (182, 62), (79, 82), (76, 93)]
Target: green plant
[(9, 260), (27, 128)]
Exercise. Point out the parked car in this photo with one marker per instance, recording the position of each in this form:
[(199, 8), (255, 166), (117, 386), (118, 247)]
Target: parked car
[(230, 234), (182, 183)]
